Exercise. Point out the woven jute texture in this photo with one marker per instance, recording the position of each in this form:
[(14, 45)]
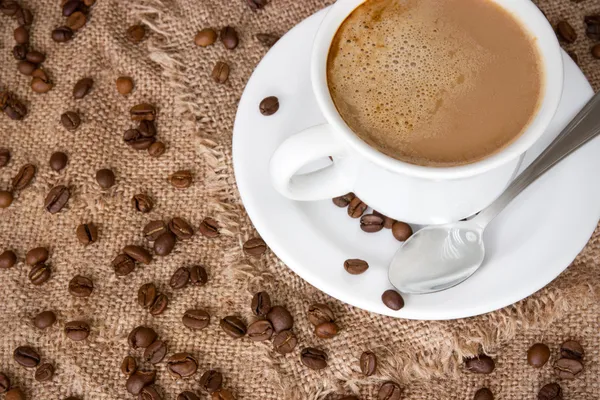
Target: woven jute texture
[(195, 119)]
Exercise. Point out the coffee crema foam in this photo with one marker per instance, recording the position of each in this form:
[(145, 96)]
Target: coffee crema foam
[(434, 82)]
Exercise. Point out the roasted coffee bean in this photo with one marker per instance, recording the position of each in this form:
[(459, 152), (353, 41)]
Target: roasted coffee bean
[(156, 149), (154, 229), (4, 156), (392, 300), (62, 34), (10, 7), (77, 330), (220, 72), (233, 326), (138, 380), (44, 372), (39, 85), (285, 342), (155, 352), (269, 106), (222, 394), (23, 177), (138, 253), (551, 391), (26, 356), (13, 108), (58, 161), (261, 304), (182, 365), (592, 29), (71, 6), (211, 381), (368, 363), (160, 304), (484, 394), (566, 32), (267, 39), (595, 50), (280, 318), (349, 398), (260, 330), (401, 231), (44, 320), (180, 278), (56, 199), (39, 274), (123, 265), (70, 120), (128, 366), (8, 259), (21, 35), (76, 21), (389, 391), (142, 203), (538, 355), (105, 178), (26, 68), (24, 17), (181, 179), (35, 57), (87, 233), (481, 364), (81, 286), (124, 85), (209, 228), (187, 395), (149, 393), (4, 383), (6, 198), (82, 88), (255, 247), (344, 201), (571, 349), (181, 228), (136, 33), (41, 73), (143, 112), (164, 244), (388, 222), (326, 330), (371, 223), (205, 37), (147, 295), (256, 4), (567, 368), (20, 52), (14, 394), (141, 337), (356, 208), (313, 358), (196, 319), (355, 266), (319, 314), (198, 275), (135, 139), (147, 128), (36, 256), (229, 37)]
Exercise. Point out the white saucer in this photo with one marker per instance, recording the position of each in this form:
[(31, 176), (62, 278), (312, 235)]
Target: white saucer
[(532, 242)]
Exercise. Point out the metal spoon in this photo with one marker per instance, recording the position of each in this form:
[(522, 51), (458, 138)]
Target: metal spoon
[(439, 257)]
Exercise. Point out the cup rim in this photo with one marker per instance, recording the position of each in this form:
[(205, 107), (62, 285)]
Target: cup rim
[(552, 62)]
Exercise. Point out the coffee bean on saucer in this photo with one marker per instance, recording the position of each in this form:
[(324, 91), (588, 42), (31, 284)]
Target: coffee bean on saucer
[(164, 244), (141, 337), (23, 177), (124, 85), (205, 37), (285, 342), (592, 30), (401, 231), (149, 393), (44, 320), (481, 364), (44, 372), (36, 256), (123, 265), (255, 247), (8, 259), (389, 391), (220, 72), (229, 37), (87, 233), (344, 201), (326, 330), (147, 294), (138, 253), (4, 383), (135, 139), (356, 208), (260, 330), (138, 380), (76, 21), (70, 120), (355, 266), (571, 349), (26, 356), (160, 304), (156, 149), (209, 228), (550, 391), (261, 304), (21, 35), (387, 221), (143, 112), (156, 352), (368, 363), (211, 381), (58, 161), (187, 395), (182, 365), (198, 275), (280, 318), (26, 68), (77, 330), (39, 274), (269, 106), (181, 228), (15, 394), (105, 178), (180, 278), (566, 32), (62, 34), (538, 355), (567, 368), (20, 52), (256, 4), (392, 300), (128, 366), (82, 88), (233, 326), (483, 394), (181, 179), (4, 156), (136, 33), (319, 314), (81, 286), (56, 199), (313, 358), (6, 198), (196, 319)]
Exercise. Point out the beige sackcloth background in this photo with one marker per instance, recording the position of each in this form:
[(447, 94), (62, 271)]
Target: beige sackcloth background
[(195, 120)]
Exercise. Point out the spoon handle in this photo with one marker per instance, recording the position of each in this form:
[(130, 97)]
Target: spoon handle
[(583, 128)]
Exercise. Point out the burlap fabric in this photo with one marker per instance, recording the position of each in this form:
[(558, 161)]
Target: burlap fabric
[(195, 120)]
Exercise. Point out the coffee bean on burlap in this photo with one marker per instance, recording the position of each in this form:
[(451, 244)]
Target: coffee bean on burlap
[(77, 330), (82, 88), (160, 304), (147, 128), (143, 112), (313, 358), (550, 391), (8, 259), (371, 223), (595, 50), (389, 391), (44, 320), (280, 318), (15, 394), (401, 231), (261, 303), (138, 253), (124, 85), (592, 26), (4, 156), (229, 37), (368, 363), (181, 228), (285, 342), (4, 383), (481, 364), (181, 179), (198, 275), (39, 274), (136, 33), (154, 229), (87, 233), (319, 314), (147, 295), (6, 198), (26, 356), (267, 39), (356, 208), (157, 149), (220, 72), (326, 330), (138, 380), (44, 372), (81, 286), (76, 21), (41, 84), (58, 161), (269, 106), (483, 394), (123, 265), (105, 178), (24, 177), (56, 199), (20, 52), (128, 366), (205, 37), (36, 256), (21, 35), (141, 337), (180, 278), (255, 247), (344, 201), (222, 394), (211, 381), (182, 365), (538, 355), (137, 141), (260, 330), (571, 349), (209, 228), (567, 368), (187, 395), (70, 120), (25, 67), (149, 393), (349, 398), (566, 32), (70, 6), (256, 4), (392, 299), (233, 326), (164, 244), (155, 352), (62, 34), (355, 266)]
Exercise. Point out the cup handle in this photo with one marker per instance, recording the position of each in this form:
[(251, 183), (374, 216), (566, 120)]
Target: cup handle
[(303, 148)]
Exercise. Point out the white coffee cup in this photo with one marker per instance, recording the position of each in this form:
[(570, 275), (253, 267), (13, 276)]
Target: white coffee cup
[(404, 191)]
